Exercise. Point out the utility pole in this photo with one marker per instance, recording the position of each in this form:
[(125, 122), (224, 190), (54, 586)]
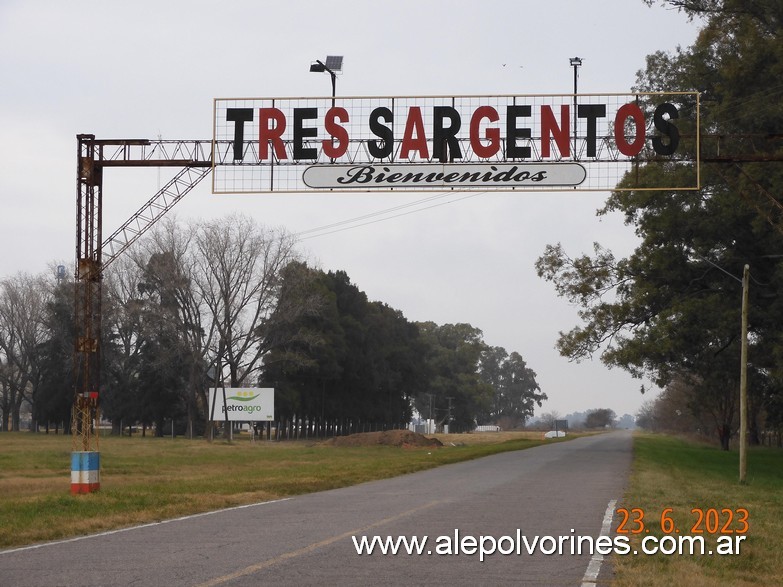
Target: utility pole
[(743, 440)]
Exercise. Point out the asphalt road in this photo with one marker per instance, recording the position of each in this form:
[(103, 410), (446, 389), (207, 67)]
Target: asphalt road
[(559, 490)]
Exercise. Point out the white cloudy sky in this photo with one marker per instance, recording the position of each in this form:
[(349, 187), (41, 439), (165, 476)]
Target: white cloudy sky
[(151, 68)]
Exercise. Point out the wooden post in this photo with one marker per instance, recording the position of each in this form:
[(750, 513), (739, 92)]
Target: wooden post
[(743, 440)]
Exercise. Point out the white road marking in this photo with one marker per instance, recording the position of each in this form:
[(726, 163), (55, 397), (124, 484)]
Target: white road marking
[(311, 547), (594, 566)]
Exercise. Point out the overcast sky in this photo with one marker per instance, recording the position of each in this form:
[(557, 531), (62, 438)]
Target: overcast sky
[(148, 69)]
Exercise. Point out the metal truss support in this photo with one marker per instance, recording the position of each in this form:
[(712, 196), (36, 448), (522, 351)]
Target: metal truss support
[(93, 156), (88, 293), (149, 213)]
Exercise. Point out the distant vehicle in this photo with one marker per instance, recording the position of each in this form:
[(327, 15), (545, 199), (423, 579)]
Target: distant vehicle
[(555, 434), (487, 428)]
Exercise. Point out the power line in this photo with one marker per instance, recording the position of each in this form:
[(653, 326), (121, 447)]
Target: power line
[(341, 226), (372, 214)]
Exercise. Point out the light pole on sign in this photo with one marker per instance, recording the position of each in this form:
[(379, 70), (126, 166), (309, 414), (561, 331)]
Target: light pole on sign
[(576, 63), (333, 65)]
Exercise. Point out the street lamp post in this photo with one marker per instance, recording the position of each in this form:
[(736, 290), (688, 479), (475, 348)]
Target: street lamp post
[(333, 65), (576, 63)]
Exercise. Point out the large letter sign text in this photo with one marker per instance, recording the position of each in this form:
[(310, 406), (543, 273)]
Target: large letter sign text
[(478, 143)]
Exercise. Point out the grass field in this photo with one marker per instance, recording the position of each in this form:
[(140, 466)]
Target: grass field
[(150, 479), (681, 475)]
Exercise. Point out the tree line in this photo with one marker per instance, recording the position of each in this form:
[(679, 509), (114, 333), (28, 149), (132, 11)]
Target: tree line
[(671, 311), (229, 301)]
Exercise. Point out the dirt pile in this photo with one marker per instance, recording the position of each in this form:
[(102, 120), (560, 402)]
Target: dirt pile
[(403, 438)]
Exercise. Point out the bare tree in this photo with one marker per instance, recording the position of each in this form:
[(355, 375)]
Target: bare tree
[(237, 272), (547, 420), (23, 300), (213, 283)]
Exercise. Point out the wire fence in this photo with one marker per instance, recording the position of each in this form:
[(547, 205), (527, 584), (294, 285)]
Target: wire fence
[(316, 429)]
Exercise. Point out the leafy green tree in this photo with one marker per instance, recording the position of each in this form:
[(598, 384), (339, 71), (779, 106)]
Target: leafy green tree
[(163, 370), (148, 354), (123, 339), (336, 355), (455, 390), (351, 395), (600, 418), (306, 343), (54, 399), (516, 392), (167, 260), (396, 357), (671, 310)]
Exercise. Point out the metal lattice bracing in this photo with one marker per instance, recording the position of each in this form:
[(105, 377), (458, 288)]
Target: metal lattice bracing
[(149, 213), (93, 156), (88, 291)]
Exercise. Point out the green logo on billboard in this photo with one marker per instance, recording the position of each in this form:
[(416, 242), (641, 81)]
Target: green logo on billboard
[(244, 396)]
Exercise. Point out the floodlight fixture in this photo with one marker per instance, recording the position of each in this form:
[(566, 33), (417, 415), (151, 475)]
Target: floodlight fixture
[(575, 62), (333, 65)]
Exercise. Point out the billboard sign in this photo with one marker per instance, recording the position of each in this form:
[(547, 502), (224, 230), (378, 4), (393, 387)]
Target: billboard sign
[(473, 143), (243, 404)]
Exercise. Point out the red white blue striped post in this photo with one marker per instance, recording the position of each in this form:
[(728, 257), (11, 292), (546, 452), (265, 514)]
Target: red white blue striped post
[(85, 472)]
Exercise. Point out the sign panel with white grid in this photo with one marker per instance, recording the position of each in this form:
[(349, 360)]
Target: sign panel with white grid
[(468, 143)]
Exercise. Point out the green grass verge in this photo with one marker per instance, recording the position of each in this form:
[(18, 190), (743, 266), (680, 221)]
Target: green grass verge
[(150, 479), (681, 475)]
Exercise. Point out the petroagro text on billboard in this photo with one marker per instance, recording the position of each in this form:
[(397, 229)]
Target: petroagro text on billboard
[(247, 408)]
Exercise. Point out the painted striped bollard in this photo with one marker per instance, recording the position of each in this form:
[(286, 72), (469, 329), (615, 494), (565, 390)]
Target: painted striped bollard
[(85, 471)]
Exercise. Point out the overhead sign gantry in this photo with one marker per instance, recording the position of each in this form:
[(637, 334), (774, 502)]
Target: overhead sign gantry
[(510, 143)]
